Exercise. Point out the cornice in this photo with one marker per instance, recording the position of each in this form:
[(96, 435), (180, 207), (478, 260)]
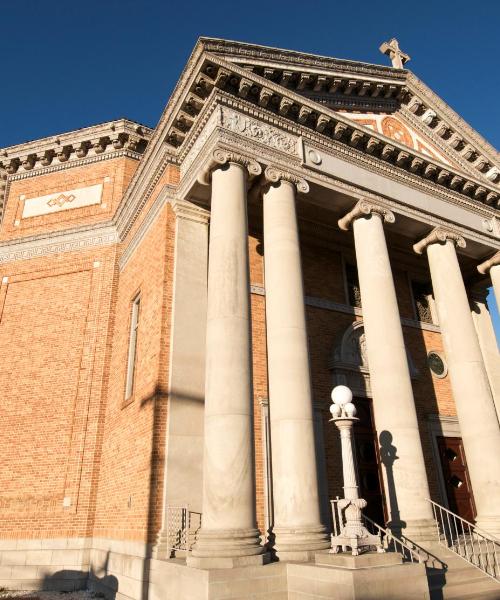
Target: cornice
[(74, 163), (72, 149), (260, 118), (207, 75), (299, 71), (466, 144), (320, 119), (442, 107), (34, 157), (248, 54), (234, 140), (422, 128), (133, 202), (143, 228)]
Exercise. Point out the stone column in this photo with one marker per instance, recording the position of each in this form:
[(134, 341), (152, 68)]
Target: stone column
[(492, 266), (228, 536), (396, 421), (487, 342), (297, 524), (471, 391)]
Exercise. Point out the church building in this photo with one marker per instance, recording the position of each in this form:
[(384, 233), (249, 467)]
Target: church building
[(177, 303)]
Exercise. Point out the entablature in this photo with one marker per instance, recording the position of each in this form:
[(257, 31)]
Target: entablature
[(330, 165), (215, 75), (73, 145)]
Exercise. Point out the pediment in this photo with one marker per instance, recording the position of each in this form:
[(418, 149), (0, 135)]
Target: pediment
[(316, 97), (396, 127), (352, 87)]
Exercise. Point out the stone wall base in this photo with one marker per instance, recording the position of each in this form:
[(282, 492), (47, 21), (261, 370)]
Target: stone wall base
[(47, 564), (124, 571)]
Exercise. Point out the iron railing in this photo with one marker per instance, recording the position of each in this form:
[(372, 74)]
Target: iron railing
[(474, 545), (390, 542), (182, 526)]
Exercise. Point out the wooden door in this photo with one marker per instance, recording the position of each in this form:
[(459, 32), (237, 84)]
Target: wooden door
[(456, 477), (368, 464)]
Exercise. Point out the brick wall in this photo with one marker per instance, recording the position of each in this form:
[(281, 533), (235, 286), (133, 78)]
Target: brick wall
[(113, 174), (64, 336), (131, 472), (53, 350)]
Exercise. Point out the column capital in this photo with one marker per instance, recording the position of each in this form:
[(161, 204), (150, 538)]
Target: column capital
[(275, 175), (189, 211), (439, 235), (363, 208), (221, 156), (485, 266)]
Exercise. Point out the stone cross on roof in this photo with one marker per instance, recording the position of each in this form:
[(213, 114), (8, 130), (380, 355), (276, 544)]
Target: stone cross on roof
[(397, 56)]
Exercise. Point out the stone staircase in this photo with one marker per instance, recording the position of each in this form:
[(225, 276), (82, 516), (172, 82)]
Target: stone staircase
[(460, 581)]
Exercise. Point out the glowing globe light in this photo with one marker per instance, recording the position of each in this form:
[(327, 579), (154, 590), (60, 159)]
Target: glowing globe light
[(341, 395), (336, 410), (350, 409)]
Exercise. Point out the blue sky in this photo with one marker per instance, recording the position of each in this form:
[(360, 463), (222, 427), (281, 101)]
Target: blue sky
[(69, 64)]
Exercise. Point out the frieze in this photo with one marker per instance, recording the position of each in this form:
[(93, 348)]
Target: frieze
[(259, 131), (56, 244)]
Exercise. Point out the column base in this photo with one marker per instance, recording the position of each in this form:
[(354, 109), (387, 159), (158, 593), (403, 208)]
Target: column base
[(226, 548), (419, 530), (489, 524), (299, 544), (228, 562)]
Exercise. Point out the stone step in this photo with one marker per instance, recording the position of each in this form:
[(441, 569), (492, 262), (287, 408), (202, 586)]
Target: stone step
[(461, 580), (453, 576), (472, 588), (482, 596)]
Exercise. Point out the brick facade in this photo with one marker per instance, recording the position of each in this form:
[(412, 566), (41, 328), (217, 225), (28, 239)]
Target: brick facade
[(79, 459), (104, 238)]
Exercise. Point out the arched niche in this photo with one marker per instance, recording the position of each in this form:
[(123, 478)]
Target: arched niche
[(349, 361)]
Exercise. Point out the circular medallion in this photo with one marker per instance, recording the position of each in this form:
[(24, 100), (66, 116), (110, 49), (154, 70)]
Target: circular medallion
[(395, 130), (314, 157), (437, 364)]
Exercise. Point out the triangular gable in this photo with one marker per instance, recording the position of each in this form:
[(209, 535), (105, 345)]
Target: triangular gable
[(364, 87), (395, 127)]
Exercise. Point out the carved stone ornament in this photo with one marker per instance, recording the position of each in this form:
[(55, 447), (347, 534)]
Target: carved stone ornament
[(484, 267), (221, 157), (362, 209), (439, 235), (275, 175)]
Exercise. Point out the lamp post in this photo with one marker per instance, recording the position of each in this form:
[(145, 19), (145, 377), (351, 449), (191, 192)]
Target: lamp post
[(354, 534)]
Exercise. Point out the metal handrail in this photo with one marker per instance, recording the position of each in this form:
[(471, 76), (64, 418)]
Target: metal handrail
[(182, 525), (393, 543), (390, 542), (474, 545)]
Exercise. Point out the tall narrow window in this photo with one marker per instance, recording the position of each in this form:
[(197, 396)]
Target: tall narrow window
[(132, 346), (422, 298), (353, 292)]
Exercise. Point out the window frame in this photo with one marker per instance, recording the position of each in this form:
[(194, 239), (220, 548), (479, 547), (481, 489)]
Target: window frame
[(430, 299), (133, 335)]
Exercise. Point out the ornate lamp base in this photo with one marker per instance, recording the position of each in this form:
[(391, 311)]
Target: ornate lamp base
[(354, 534)]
